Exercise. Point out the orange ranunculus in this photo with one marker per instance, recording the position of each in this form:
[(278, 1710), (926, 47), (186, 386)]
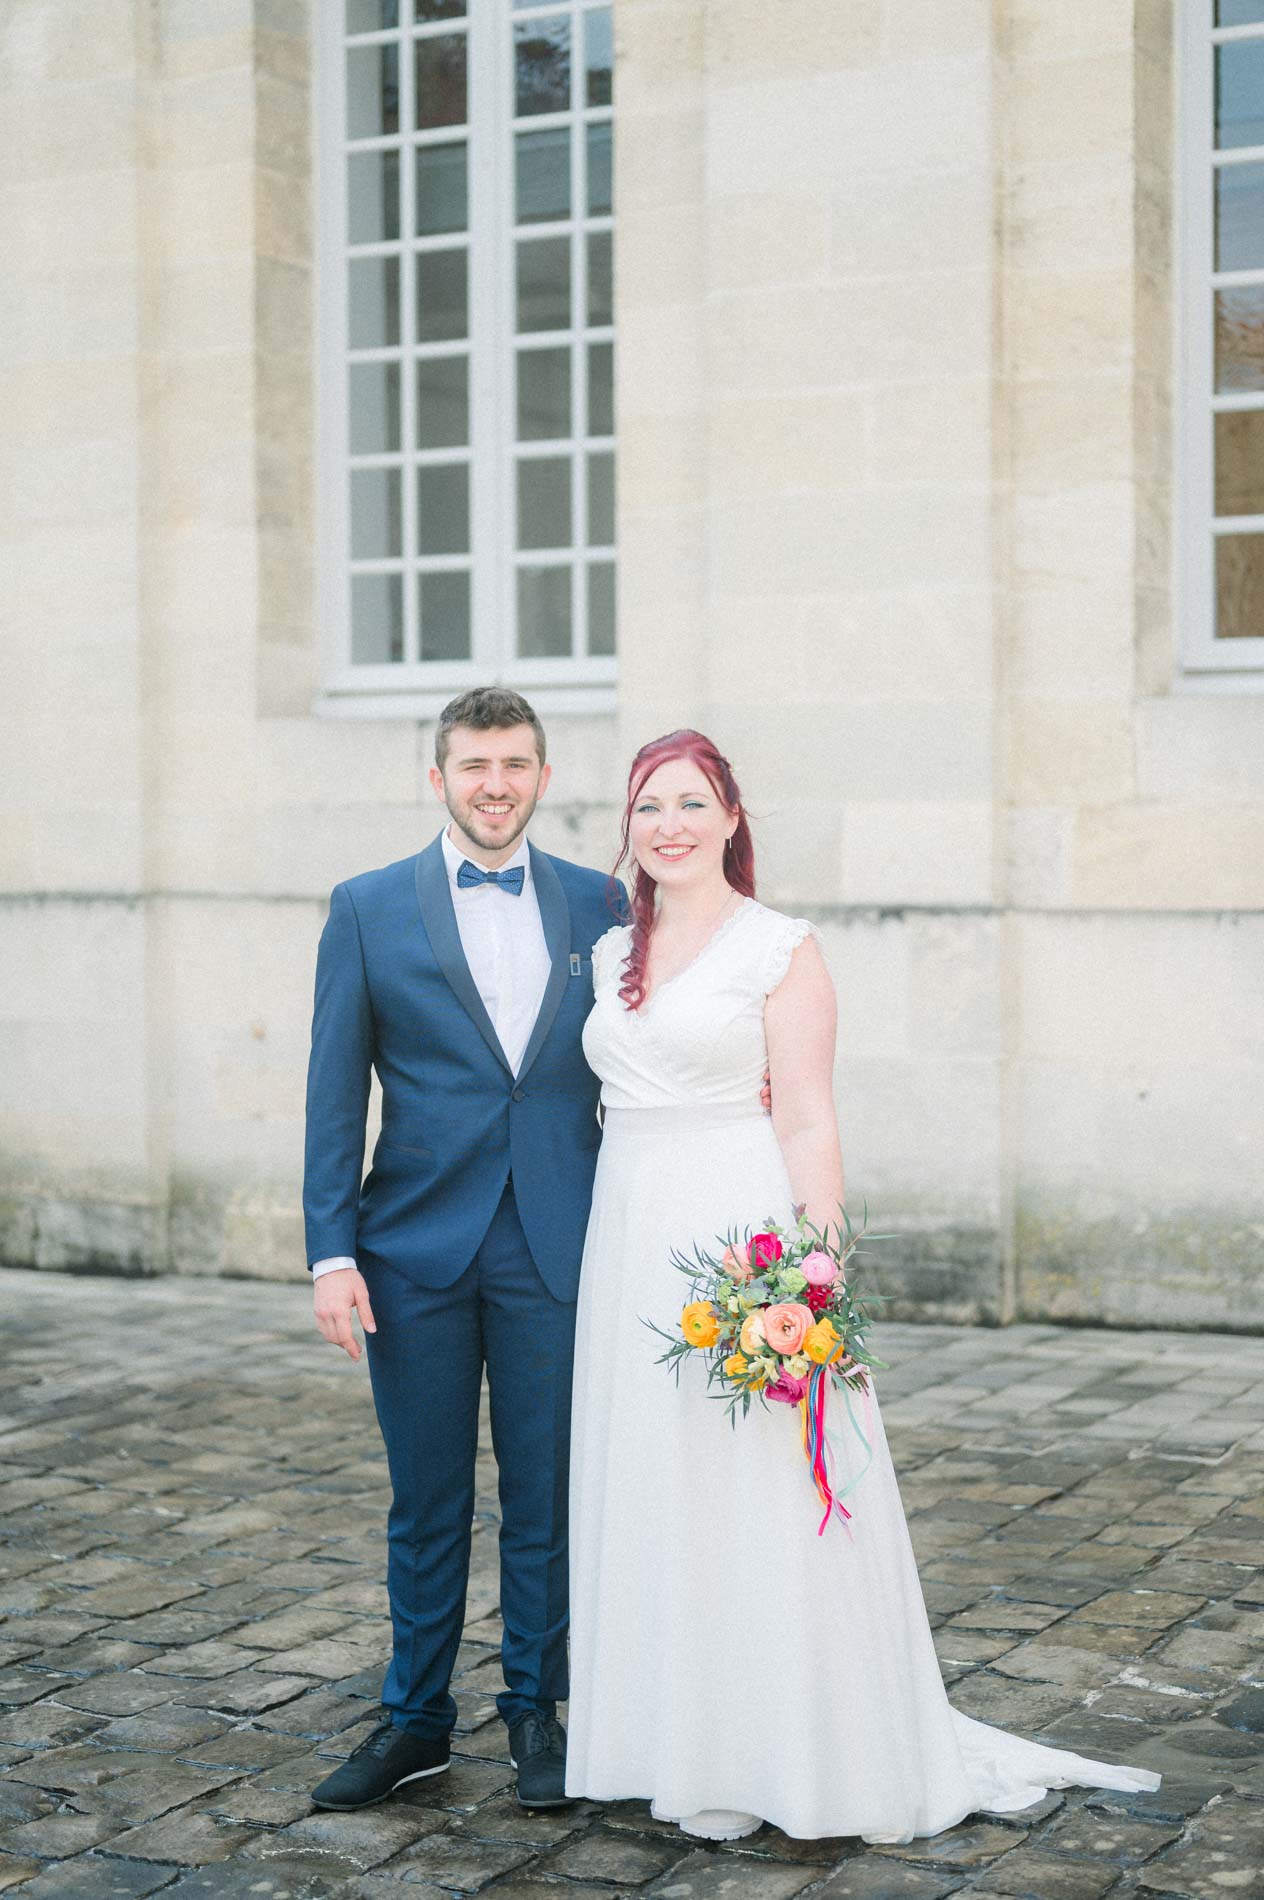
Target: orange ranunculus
[(699, 1324), (736, 1365), (787, 1326), (821, 1342)]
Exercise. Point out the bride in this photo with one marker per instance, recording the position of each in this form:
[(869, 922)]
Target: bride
[(730, 1665)]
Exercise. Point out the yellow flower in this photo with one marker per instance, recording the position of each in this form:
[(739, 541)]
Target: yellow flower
[(735, 1366), (699, 1324), (821, 1342), (753, 1335)]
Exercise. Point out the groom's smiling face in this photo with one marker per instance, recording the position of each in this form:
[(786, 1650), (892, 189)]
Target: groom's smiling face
[(491, 782)]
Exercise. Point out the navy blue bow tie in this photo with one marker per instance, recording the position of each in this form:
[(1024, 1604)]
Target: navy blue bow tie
[(511, 879)]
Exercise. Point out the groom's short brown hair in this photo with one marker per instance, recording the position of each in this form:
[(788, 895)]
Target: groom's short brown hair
[(484, 709)]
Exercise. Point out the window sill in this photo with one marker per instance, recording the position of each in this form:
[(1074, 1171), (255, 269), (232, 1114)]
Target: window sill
[(426, 703)]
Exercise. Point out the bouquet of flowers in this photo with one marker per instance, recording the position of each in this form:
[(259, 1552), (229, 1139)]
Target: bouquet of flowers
[(775, 1318)]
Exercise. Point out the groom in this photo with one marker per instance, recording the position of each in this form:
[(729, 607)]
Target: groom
[(463, 976)]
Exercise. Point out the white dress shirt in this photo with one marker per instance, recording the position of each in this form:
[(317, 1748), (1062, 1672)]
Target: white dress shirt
[(503, 941)]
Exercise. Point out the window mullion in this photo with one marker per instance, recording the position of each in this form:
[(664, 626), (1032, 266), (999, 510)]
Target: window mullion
[(407, 334), (483, 402)]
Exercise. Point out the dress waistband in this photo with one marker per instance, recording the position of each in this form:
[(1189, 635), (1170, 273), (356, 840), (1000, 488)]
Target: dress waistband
[(681, 1117)]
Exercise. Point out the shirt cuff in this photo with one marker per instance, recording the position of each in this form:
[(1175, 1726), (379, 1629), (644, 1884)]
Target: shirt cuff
[(333, 1265)]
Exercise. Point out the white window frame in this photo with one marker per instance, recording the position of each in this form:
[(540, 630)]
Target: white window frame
[(413, 688), (1214, 664)]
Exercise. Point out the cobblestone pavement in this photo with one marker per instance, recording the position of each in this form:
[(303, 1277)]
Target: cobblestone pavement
[(192, 1618)]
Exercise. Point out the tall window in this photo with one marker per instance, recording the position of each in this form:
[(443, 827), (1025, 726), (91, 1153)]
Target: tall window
[(468, 386), (1221, 478)]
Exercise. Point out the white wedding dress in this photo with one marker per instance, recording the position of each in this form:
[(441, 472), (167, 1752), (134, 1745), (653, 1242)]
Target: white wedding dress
[(723, 1655)]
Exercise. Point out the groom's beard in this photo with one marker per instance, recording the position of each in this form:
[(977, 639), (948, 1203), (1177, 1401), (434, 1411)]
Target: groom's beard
[(490, 837)]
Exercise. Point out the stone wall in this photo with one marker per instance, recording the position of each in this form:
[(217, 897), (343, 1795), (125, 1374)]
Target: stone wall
[(894, 312)]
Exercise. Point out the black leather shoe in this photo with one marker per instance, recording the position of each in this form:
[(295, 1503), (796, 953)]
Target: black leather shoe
[(537, 1749), (384, 1761)]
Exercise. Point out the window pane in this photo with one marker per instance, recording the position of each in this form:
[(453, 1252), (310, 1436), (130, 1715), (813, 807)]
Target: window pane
[(372, 91), (601, 389), (443, 611), (442, 295), (375, 521), (442, 200), (1240, 586), (377, 619), (544, 284), (544, 503), (1240, 217), (601, 608), (438, 10), (373, 302), (601, 501), (372, 197), (440, 70), (544, 175), (544, 613), (544, 394), (542, 66), (371, 16), (1240, 462), (1240, 339), (374, 408), (598, 55), (600, 279), (600, 181), (443, 509), (1240, 94), (443, 402), (1239, 12)]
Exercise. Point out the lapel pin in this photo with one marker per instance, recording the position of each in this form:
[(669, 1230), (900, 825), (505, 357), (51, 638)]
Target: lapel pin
[(575, 964)]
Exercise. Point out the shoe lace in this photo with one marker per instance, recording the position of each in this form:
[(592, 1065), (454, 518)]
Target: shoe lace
[(375, 1744), (537, 1734)]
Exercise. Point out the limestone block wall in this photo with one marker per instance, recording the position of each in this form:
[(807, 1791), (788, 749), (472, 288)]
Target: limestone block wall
[(895, 308), (807, 282), (173, 816), (1134, 800)]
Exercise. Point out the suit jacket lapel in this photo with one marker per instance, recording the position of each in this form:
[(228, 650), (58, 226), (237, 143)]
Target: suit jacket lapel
[(556, 918), (434, 898)]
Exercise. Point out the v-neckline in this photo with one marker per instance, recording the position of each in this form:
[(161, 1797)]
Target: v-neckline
[(721, 930)]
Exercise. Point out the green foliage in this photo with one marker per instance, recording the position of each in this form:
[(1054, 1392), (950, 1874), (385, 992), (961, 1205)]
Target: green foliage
[(716, 1282)]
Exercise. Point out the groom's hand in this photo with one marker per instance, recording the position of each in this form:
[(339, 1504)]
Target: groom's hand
[(338, 1295), (765, 1094)]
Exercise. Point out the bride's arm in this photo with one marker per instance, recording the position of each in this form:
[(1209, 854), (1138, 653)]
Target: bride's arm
[(800, 1021)]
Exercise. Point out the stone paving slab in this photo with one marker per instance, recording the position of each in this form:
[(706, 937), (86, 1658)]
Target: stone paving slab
[(192, 1618)]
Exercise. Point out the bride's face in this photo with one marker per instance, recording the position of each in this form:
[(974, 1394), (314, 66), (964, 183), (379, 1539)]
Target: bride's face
[(679, 827)]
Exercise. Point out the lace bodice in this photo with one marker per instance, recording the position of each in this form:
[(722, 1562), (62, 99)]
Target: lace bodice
[(701, 1036)]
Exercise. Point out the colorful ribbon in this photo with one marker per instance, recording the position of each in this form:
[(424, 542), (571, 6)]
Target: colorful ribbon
[(817, 1439)]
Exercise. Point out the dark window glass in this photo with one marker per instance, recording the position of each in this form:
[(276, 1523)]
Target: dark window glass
[(544, 613), (542, 66), (442, 295), (441, 80)]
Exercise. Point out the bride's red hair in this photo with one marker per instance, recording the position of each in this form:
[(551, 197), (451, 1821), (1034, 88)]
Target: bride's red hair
[(739, 855)]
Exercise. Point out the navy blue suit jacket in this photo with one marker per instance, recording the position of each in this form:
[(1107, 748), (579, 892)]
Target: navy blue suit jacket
[(394, 993)]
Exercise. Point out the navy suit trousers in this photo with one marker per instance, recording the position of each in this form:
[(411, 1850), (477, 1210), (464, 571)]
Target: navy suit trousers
[(426, 1362)]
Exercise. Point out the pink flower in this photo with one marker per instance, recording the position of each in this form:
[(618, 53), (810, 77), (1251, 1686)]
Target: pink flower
[(788, 1390), (818, 1269), (735, 1261), (765, 1251), (786, 1327)]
